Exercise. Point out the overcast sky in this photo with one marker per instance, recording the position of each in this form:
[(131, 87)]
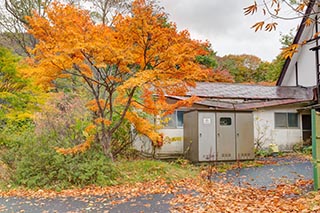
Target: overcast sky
[(222, 23)]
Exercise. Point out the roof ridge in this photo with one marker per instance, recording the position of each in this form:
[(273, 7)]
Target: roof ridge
[(253, 85)]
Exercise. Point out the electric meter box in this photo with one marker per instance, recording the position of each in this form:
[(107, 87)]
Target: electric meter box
[(218, 136)]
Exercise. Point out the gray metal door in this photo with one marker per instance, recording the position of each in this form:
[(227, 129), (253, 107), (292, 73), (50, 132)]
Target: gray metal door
[(226, 146), (244, 136), (207, 134)]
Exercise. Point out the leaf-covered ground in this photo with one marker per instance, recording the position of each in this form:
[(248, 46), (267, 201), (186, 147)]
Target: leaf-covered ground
[(187, 195), (171, 194)]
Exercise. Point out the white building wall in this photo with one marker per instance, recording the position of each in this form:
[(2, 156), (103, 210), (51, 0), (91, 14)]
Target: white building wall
[(173, 143), (306, 68), (143, 144), (306, 63), (265, 131)]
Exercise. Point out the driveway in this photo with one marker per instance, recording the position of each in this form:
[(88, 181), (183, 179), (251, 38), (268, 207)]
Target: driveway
[(280, 170), (147, 203), (288, 170)]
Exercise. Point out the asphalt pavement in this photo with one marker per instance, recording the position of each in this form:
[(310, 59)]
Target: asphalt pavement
[(267, 176), (148, 203)]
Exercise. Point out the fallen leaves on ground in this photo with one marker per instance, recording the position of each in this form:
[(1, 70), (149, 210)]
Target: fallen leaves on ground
[(197, 195), (288, 158), (215, 197)]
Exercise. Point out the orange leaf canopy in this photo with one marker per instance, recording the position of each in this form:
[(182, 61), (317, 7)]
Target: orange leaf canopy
[(137, 61)]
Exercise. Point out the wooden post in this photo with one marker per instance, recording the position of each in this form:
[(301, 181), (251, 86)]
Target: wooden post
[(315, 117)]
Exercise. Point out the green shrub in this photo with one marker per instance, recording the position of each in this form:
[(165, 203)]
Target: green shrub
[(262, 152), (40, 166), (13, 133), (307, 150), (28, 149), (301, 148)]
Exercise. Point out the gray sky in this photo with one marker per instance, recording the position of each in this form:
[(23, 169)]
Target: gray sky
[(222, 23)]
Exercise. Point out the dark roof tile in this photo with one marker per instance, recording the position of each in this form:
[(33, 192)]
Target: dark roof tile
[(254, 92)]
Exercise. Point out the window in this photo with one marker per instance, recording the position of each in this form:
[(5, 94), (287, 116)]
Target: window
[(286, 120), (225, 121), (293, 120), (175, 120), (179, 118)]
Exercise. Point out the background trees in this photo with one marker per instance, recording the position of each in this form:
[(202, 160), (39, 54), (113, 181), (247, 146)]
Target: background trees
[(251, 69), (244, 68), (17, 95), (13, 21)]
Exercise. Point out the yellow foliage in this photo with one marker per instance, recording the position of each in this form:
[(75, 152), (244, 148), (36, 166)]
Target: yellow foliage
[(170, 108), (308, 22), (103, 120), (129, 67), (90, 128), (251, 9), (289, 51), (78, 148), (145, 127), (271, 26), (95, 105), (301, 7), (258, 26)]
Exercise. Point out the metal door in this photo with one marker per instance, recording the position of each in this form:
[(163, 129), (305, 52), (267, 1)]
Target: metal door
[(244, 136), (226, 147), (207, 134)]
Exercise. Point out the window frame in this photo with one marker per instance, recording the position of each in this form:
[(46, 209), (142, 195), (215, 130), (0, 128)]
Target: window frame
[(287, 126), (176, 121), (225, 121)]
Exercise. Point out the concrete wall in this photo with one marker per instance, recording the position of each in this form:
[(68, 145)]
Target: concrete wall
[(173, 145), (173, 142), (265, 131)]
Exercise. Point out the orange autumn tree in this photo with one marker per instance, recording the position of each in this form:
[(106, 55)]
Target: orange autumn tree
[(128, 67)]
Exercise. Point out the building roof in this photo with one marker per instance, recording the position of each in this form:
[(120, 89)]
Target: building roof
[(296, 40), (247, 97), (252, 92)]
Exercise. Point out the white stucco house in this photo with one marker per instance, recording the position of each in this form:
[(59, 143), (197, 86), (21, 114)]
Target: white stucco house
[(281, 113), (277, 118)]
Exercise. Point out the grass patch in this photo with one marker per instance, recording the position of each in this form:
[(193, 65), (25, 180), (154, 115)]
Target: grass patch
[(148, 170)]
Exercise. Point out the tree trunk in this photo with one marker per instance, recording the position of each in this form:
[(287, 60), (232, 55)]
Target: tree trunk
[(105, 141)]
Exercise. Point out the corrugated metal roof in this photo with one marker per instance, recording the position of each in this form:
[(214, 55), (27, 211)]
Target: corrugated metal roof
[(225, 105), (263, 104), (226, 96), (243, 91)]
